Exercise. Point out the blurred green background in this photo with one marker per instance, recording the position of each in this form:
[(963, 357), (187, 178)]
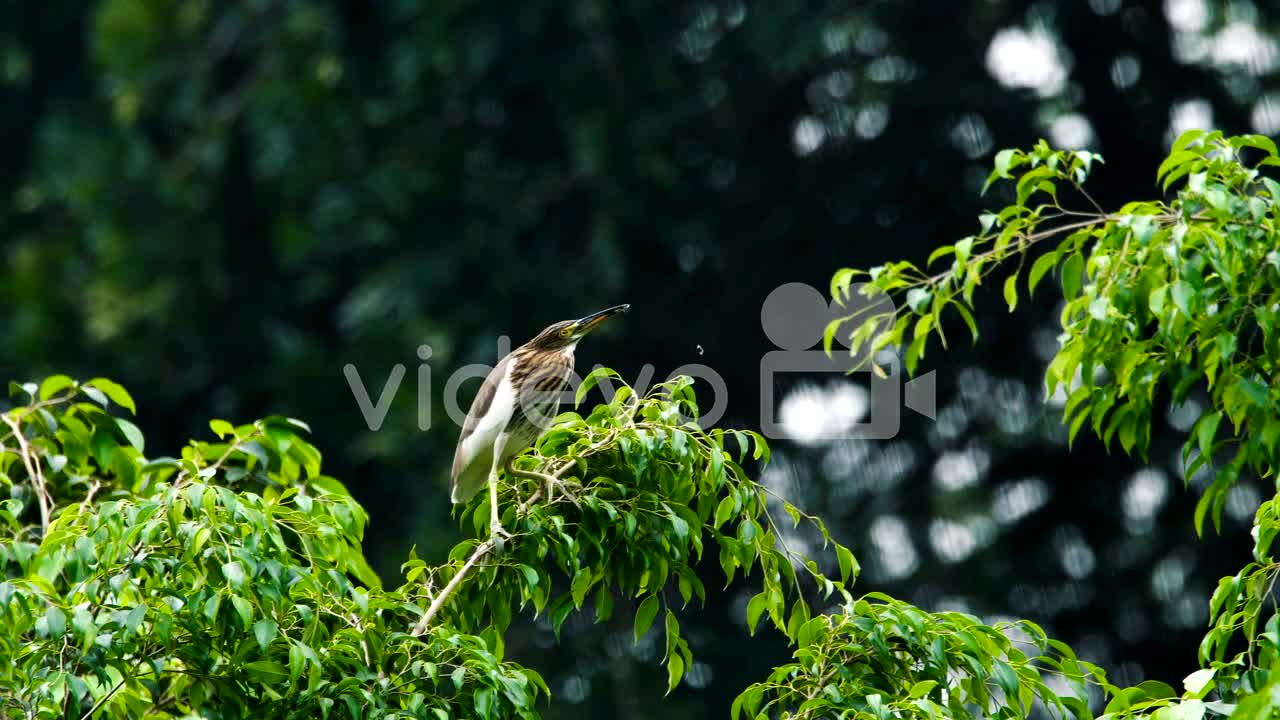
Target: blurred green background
[(222, 204)]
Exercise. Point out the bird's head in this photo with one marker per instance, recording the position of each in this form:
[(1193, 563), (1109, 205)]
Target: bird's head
[(567, 333)]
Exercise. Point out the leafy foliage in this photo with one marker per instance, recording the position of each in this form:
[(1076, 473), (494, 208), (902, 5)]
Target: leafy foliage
[(1175, 297), (650, 491), (229, 581), (171, 165), (882, 658)]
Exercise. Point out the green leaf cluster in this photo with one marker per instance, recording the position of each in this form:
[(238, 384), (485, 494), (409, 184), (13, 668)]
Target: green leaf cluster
[(226, 582), (1172, 298), (229, 581), (882, 658)]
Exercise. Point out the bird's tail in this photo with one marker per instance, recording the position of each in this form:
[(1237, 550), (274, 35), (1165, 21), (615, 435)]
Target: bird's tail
[(472, 478)]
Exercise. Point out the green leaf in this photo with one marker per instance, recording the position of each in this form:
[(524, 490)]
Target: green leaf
[(1156, 300), (54, 384), (56, 621), (755, 608), (234, 573), (1255, 391), (1261, 142), (1072, 271), (530, 576), (132, 434), (723, 512), (1011, 291), (117, 393), (1199, 683), (580, 585), (133, 620), (94, 394), (921, 689), (829, 334), (918, 299), (1157, 690), (243, 609), (1041, 266), (672, 627), (1098, 308), (939, 253), (254, 449), (85, 627), (675, 671), (849, 567), (267, 672), (678, 524), (1183, 294), (211, 607), (1185, 139), (1186, 710), (840, 283), (265, 631), (1206, 429), (590, 381), (967, 316), (645, 614), (1004, 161), (222, 428), (483, 701)]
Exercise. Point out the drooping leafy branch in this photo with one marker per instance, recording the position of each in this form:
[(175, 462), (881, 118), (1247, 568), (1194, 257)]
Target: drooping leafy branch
[(1175, 295), (883, 658)]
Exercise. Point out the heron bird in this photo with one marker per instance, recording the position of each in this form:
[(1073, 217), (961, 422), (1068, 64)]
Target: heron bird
[(516, 403)]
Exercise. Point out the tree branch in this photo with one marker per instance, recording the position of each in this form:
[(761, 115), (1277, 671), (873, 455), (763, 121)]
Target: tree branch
[(487, 546), (34, 471), (481, 550), (102, 701)]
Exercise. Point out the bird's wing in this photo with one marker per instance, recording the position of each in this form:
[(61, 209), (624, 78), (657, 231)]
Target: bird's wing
[(462, 459)]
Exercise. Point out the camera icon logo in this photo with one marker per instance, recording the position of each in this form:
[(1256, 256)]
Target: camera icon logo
[(794, 317)]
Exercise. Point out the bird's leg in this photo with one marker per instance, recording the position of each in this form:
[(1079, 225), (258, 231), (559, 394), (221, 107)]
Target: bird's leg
[(496, 532), (551, 481)]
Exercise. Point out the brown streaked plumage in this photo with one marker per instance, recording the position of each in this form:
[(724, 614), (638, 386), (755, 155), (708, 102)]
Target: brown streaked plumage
[(516, 403)]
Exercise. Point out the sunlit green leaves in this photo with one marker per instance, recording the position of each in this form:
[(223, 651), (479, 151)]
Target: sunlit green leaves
[(1178, 296), (115, 392), (878, 657), (237, 557), (649, 491), (645, 614)]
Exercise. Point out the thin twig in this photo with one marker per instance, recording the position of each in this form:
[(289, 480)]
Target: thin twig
[(481, 550), (217, 464), (1029, 240), (102, 700), (88, 498), (487, 546), (548, 481), (34, 472)]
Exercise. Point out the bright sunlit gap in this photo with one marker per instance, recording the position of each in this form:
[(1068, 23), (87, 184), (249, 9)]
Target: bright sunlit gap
[(1020, 58), (810, 413)]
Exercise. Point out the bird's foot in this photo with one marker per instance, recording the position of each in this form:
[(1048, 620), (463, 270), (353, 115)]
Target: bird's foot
[(554, 483), (550, 483), (498, 535)]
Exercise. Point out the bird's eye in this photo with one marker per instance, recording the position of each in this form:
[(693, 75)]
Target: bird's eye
[(565, 333)]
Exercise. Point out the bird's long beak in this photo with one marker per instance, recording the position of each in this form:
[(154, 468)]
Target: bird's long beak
[(585, 325)]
